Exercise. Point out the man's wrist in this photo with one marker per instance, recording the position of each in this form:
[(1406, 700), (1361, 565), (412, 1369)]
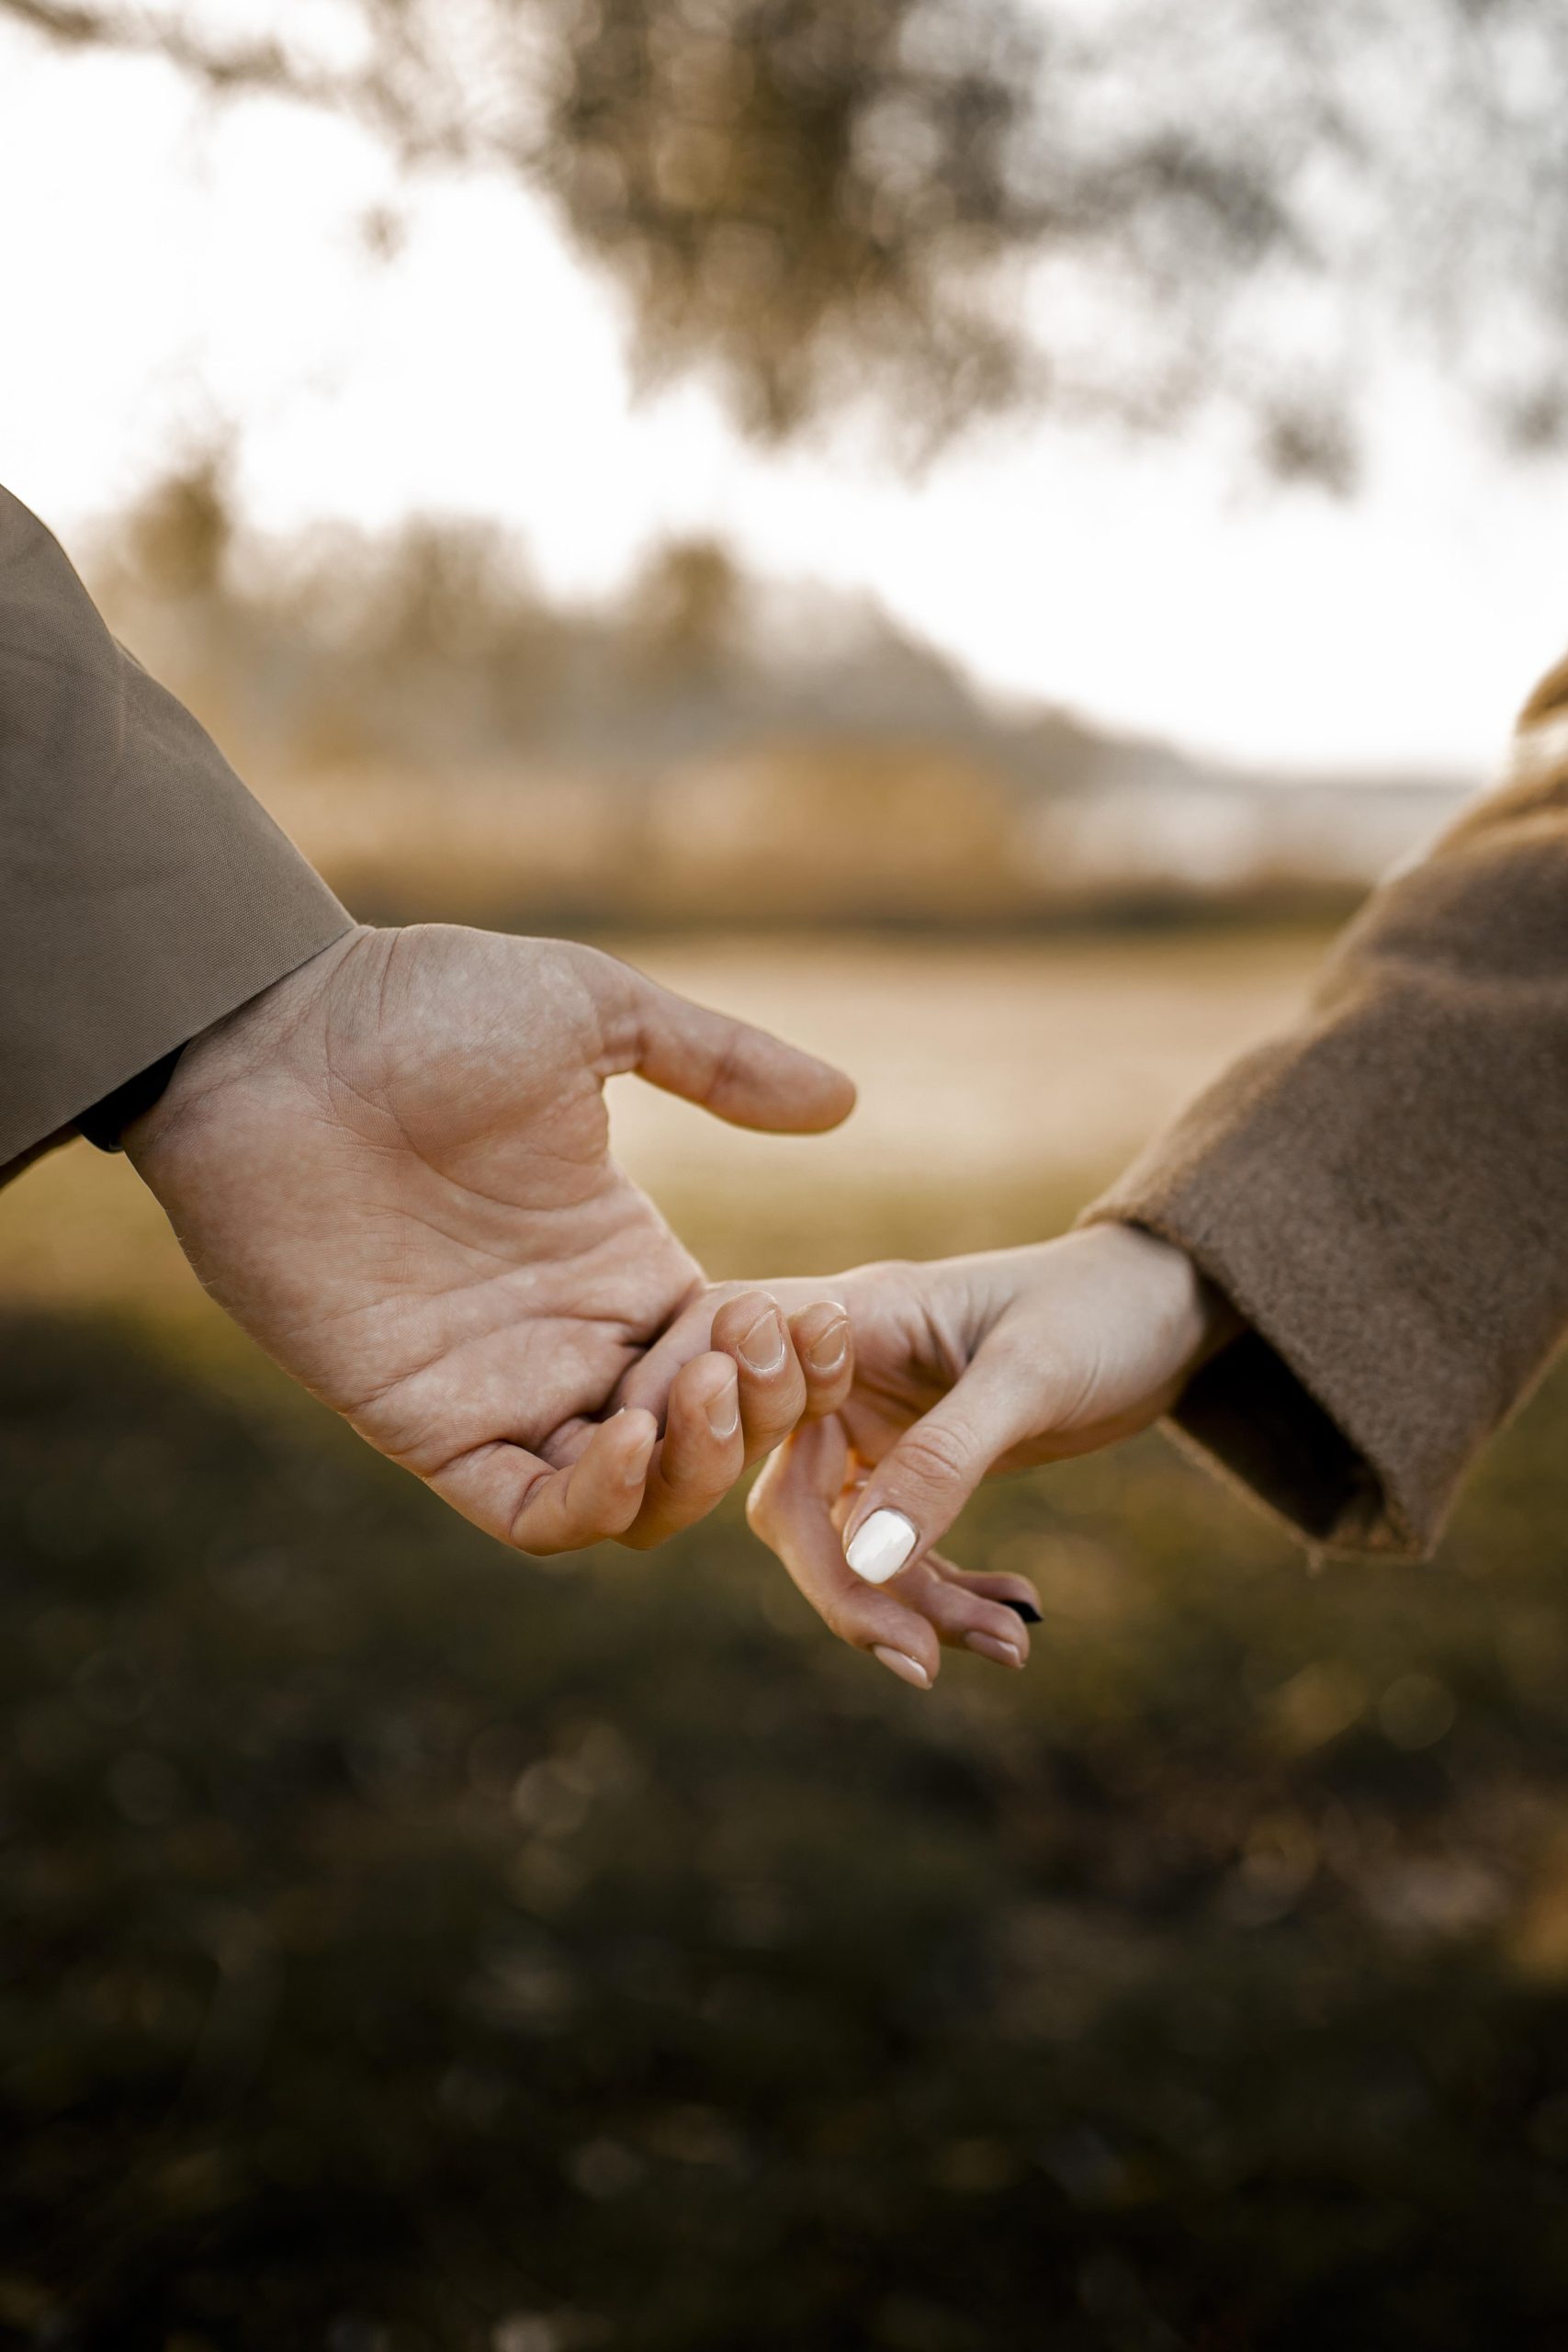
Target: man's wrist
[(238, 1046), (105, 1123)]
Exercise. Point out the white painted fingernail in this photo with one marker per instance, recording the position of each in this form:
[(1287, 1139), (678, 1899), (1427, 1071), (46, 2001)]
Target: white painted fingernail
[(879, 1549), (908, 1668)]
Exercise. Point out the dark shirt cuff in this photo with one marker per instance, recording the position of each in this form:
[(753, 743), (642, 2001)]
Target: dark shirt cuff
[(106, 1121)]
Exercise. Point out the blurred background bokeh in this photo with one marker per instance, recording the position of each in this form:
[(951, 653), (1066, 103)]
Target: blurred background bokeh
[(970, 534)]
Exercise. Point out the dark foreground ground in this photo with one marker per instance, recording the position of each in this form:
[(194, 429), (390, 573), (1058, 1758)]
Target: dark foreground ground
[(404, 1947)]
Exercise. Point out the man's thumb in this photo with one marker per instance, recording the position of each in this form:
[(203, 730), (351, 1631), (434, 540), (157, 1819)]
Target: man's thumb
[(918, 1489), (739, 1073)]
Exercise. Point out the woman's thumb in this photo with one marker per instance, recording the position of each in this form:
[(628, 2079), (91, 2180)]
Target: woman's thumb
[(918, 1489)]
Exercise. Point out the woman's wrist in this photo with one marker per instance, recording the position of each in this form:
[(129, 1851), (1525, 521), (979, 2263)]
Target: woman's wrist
[(1195, 1316)]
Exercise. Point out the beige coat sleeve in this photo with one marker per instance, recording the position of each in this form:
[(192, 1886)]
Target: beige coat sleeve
[(143, 892), (1383, 1193)]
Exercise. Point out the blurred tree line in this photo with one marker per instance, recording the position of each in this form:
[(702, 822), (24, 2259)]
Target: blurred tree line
[(1130, 209), (433, 651), (443, 738)]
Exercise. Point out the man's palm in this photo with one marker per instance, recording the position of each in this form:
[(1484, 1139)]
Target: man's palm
[(393, 1171)]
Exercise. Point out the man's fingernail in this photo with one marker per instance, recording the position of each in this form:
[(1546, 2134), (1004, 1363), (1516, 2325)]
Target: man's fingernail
[(991, 1645), (827, 1353), (724, 1413), (879, 1549), (1026, 1609), (908, 1668), (635, 1467), (763, 1349)]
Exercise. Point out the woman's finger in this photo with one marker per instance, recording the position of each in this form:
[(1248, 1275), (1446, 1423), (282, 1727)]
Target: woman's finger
[(701, 1455), (917, 1490), (965, 1619), (648, 1381), (1014, 1592), (791, 1507)]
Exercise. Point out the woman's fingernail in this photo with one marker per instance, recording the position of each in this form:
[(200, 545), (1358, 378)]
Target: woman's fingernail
[(1026, 1609), (908, 1668), (724, 1413), (991, 1645), (763, 1349), (827, 1353), (879, 1549)]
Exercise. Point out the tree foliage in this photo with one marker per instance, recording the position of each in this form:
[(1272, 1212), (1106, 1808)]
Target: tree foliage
[(1130, 207)]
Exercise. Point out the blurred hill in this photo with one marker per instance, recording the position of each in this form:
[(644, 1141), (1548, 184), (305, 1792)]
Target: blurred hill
[(442, 739)]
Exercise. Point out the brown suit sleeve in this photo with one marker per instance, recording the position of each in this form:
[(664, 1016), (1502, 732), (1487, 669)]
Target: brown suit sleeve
[(1382, 1193), (143, 892)]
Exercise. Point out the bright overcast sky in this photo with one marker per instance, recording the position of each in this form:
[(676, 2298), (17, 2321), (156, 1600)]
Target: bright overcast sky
[(167, 270)]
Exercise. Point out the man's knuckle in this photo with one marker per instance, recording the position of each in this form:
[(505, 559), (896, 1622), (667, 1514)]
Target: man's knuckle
[(535, 1544)]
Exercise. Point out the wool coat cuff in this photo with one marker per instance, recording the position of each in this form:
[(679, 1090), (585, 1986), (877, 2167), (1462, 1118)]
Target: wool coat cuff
[(1382, 1192)]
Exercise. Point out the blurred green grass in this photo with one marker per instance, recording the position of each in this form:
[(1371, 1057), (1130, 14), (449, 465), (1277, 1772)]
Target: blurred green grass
[(406, 1946)]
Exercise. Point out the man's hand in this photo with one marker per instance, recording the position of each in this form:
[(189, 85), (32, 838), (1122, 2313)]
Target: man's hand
[(963, 1367), (392, 1169)]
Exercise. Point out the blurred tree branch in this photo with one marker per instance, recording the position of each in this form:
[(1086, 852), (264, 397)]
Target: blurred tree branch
[(1126, 209), (258, 65)]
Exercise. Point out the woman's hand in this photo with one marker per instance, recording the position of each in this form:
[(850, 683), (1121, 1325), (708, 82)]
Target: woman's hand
[(963, 1367)]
